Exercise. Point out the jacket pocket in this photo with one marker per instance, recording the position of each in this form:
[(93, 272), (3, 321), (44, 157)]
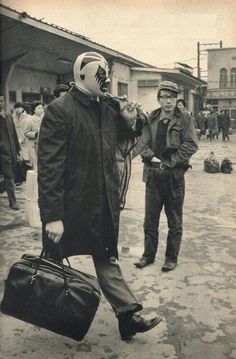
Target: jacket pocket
[(175, 136)]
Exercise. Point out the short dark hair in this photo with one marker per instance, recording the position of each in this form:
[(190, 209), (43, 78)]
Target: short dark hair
[(35, 104), (18, 105), (180, 100)]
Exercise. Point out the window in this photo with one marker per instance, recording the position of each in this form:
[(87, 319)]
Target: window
[(12, 96), (122, 89), (233, 77), (223, 78), (30, 97)]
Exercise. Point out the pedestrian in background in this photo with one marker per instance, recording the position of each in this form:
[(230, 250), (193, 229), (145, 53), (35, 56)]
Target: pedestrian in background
[(200, 120), (212, 125), (21, 121), (220, 121), (166, 145), (79, 182), (181, 105), (32, 131), (225, 125), (60, 90), (9, 147)]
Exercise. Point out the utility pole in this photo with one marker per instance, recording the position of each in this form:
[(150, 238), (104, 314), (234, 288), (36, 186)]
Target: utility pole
[(199, 52), (198, 61)]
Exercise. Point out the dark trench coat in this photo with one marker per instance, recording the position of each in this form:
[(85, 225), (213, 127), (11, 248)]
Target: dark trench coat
[(77, 169), (9, 147)]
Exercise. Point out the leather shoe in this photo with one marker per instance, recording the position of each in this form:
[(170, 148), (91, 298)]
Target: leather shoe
[(143, 262), (14, 206), (129, 325), (168, 266)]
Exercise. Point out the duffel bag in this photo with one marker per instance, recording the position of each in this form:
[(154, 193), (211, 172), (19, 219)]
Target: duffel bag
[(226, 166), (211, 165), (51, 295), (21, 168)]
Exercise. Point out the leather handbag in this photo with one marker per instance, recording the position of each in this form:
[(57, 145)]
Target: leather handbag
[(21, 168), (51, 295)]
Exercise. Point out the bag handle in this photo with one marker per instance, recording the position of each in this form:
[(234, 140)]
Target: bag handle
[(211, 156), (43, 252), (60, 251)]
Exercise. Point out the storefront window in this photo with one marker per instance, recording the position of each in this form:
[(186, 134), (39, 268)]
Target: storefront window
[(223, 78)]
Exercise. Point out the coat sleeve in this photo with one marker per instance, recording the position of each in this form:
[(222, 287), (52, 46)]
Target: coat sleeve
[(188, 146), (143, 145), (17, 144), (52, 149), (29, 132), (127, 130)]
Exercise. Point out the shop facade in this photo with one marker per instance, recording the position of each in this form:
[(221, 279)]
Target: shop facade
[(221, 91)]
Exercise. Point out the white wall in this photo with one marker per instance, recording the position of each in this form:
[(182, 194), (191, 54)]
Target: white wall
[(120, 73), (218, 59), (146, 95), (26, 80)]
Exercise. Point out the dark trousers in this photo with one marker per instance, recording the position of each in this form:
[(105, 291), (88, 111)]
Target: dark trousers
[(8, 175), (110, 278), (114, 287), (164, 188), (225, 134)]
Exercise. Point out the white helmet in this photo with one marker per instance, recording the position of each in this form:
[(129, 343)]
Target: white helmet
[(91, 73)]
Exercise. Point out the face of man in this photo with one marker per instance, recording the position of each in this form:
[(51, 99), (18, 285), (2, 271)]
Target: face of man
[(91, 73), (102, 77), (167, 100), (18, 111)]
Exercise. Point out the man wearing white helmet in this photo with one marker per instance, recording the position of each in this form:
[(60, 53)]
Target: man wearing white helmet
[(79, 183)]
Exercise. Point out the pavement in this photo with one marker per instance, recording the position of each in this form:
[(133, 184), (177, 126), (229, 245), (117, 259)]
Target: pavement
[(197, 299)]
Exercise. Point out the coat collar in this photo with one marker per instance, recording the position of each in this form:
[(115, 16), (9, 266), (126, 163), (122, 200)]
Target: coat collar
[(86, 100), (80, 96), (156, 114)]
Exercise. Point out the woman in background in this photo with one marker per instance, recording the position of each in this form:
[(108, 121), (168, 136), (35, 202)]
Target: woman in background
[(181, 105), (32, 132)]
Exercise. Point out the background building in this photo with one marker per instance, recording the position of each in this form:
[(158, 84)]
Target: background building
[(36, 57), (221, 91)]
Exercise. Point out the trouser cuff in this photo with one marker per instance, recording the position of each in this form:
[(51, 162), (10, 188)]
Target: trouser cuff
[(129, 309)]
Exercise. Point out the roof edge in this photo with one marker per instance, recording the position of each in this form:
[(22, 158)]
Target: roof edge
[(104, 48)]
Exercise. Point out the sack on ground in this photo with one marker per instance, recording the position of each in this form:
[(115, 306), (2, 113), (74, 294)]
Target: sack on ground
[(226, 166), (211, 165), (50, 295)]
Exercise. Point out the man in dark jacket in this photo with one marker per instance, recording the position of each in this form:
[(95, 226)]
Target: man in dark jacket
[(79, 183), (200, 123), (166, 145), (9, 147), (212, 125), (225, 125)]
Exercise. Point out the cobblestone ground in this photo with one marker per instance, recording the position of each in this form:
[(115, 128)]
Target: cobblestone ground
[(197, 300)]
